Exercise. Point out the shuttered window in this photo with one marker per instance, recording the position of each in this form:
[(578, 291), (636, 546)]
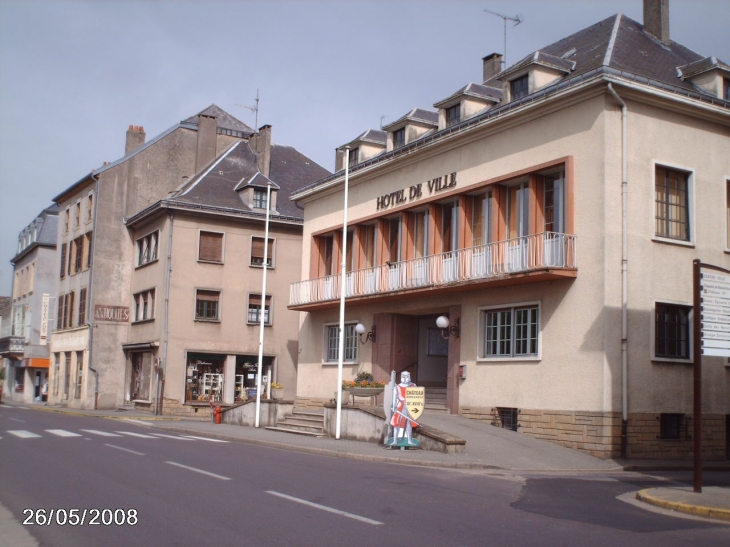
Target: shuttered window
[(257, 252), (79, 262), (206, 304), (82, 307), (63, 261), (61, 312), (254, 309), (211, 247)]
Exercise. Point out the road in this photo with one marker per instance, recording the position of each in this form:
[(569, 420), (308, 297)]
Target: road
[(197, 491)]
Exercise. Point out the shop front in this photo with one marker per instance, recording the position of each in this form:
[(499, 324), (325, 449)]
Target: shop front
[(226, 379)]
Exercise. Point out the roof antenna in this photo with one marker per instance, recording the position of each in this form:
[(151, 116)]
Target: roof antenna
[(254, 109), (381, 120), (517, 19)]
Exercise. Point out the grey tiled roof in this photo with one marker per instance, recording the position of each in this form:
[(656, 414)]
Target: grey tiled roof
[(492, 94), (703, 65), (418, 115), (223, 118)]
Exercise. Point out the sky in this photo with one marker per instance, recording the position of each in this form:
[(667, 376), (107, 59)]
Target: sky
[(74, 75)]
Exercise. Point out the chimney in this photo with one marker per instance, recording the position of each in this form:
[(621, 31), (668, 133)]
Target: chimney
[(206, 149), (339, 159), (656, 19), (492, 66), (135, 138), (261, 145)]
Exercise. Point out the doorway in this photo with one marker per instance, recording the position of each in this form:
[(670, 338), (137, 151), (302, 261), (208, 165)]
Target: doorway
[(433, 354)]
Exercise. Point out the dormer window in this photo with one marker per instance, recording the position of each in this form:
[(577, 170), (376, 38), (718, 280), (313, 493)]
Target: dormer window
[(520, 87), (399, 138), (453, 115), (259, 198), (726, 89), (354, 157)]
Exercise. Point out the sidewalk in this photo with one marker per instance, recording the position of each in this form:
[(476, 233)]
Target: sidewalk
[(487, 448)]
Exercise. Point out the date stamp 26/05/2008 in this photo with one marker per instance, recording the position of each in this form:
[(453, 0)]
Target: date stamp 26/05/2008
[(80, 517)]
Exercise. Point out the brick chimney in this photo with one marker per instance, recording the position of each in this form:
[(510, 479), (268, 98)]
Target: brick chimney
[(207, 140), (261, 146), (135, 138), (492, 65), (656, 19)]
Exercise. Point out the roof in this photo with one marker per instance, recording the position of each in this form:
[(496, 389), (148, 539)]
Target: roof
[(617, 47), (46, 225), (420, 115), (703, 65), (5, 302), (219, 184), (479, 91), (375, 136), (223, 118)]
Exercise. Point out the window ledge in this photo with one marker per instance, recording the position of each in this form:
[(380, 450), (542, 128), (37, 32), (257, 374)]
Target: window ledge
[(689, 244), (138, 266), (149, 320), (219, 262), (206, 320), (261, 266), (256, 324), (509, 360), (670, 360), (335, 363)]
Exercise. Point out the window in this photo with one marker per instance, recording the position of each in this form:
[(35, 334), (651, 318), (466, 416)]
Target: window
[(671, 197), (554, 208), (210, 248), (140, 378), (672, 331), (79, 253), (147, 248), (394, 239), (327, 248), (399, 138), (77, 216), (66, 220), (90, 208), (481, 220), (511, 332), (332, 333), (61, 311), (69, 307), (82, 306), (726, 89), (144, 305), (254, 309), (259, 198), (727, 214), (453, 115), (63, 260), (671, 426), (87, 251), (420, 234), (450, 226), (206, 305), (257, 252), (31, 278), (79, 373), (369, 245), (519, 87), (354, 157)]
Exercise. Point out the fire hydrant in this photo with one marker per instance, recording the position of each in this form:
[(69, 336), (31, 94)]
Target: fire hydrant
[(217, 412)]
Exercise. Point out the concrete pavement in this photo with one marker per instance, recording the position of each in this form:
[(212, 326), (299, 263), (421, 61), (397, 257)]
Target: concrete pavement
[(487, 448)]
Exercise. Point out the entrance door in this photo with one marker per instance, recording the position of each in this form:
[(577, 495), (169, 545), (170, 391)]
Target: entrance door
[(433, 354), (37, 385)]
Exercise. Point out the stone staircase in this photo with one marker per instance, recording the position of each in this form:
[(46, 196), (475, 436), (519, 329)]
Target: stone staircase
[(436, 400), (302, 422)]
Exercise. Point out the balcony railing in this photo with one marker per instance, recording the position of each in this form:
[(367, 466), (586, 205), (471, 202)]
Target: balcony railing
[(522, 254), (17, 329)]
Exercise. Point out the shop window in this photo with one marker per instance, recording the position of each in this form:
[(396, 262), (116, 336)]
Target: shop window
[(247, 375), (254, 309), (671, 426), (56, 372), (211, 247), (79, 374), (82, 307), (520, 87), (672, 331), (332, 343), (147, 248), (510, 332), (204, 379), (257, 252), (141, 376), (672, 204), (207, 305), (453, 115), (144, 305), (19, 379)]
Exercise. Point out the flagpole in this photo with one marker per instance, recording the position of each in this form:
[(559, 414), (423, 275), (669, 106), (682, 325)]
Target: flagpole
[(262, 313), (343, 273)]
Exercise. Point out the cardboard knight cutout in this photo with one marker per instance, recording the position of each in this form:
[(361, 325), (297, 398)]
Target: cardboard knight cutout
[(407, 405)]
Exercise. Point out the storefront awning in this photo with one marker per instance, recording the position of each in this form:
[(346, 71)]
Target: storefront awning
[(37, 362), (140, 345)]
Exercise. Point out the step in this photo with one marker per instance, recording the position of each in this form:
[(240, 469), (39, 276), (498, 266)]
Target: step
[(297, 427), (312, 413), (296, 431), (303, 420)]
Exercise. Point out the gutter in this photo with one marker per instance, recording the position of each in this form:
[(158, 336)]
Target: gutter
[(624, 275), (161, 391), (88, 297)]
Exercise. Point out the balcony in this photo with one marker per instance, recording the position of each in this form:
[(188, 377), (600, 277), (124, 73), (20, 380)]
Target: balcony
[(533, 258), (12, 340)]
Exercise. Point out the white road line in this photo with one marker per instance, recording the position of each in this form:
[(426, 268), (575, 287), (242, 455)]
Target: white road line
[(23, 434), (102, 433), (325, 508), (125, 449), (203, 439), (172, 437), (16, 420), (221, 477), (140, 422), (136, 434), (63, 433)]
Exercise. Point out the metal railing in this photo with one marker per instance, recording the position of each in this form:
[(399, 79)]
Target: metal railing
[(522, 254)]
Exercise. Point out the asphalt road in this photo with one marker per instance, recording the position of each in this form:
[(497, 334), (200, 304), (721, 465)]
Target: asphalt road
[(193, 491)]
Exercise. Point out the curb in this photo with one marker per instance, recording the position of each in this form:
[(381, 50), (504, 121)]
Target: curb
[(697, 510), (87, 415)]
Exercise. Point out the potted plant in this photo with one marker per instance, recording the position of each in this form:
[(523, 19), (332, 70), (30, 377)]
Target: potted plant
[(363, 386), (277, 391)]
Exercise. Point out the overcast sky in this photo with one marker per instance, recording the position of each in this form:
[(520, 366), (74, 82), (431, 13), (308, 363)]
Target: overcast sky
[(75, 74)]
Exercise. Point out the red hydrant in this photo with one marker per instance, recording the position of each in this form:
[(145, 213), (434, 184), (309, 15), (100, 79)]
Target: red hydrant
[(217, 412)]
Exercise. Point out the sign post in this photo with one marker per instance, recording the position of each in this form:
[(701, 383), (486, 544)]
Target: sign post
[(711, 336)]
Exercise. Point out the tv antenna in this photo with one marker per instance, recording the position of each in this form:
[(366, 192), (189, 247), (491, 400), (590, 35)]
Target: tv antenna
[(381, 121), (254, 109), (517, 20)]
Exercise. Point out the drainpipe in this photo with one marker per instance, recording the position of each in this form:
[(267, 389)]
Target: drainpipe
[(88, 297), (624, 276), (167, 318)]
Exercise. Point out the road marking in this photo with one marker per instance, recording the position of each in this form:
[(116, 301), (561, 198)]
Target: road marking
[(221, 477), (203, 439), (102, 433), (63, 433), (136, 434), (23, 434), (125, 449), (172, 437), (140, 422), (16, 420), (325, 508)]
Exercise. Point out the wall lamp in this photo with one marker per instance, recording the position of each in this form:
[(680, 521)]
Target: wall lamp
[(362, 329), (447, 329)]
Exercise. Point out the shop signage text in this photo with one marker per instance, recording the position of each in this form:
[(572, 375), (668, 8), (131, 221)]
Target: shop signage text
[(118, 314), (44, 319), (415, 192)]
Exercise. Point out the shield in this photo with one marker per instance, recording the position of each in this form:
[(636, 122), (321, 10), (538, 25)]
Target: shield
[(415, 401)]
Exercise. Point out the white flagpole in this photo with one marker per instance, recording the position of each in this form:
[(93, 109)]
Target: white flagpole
[(343, 273), (263, 307)]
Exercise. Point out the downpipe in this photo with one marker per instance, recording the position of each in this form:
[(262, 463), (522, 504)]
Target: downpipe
[(163, 374)]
